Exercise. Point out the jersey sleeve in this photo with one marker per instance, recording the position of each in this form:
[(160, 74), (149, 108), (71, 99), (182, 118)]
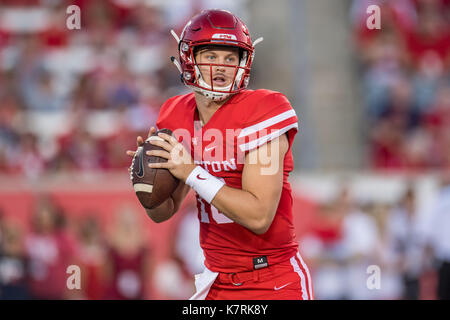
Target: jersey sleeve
[(164, 115), (269, 118)]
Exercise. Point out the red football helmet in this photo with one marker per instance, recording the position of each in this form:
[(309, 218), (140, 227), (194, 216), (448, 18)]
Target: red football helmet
[(214, 27)]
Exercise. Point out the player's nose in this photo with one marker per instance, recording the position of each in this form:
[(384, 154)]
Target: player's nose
[(220, 68)]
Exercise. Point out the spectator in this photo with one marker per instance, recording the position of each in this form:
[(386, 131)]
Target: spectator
[(437, 236), (30, 161), (92, 258), (40, 94), (81, 151), (13, 264), (49, 250), (406, 241), (386, 258), (128, 258), (429, 44), (358, 246), (322, 247), (437, 122)]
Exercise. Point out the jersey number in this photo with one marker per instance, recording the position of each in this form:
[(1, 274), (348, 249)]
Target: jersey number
[(207, 211)]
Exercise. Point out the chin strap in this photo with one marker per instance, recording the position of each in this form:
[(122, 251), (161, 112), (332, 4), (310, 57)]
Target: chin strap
[(174, 34), (172, 58), (176, 63)]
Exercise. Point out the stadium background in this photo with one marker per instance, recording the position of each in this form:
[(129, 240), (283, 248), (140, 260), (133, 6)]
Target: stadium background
[(373, 108)]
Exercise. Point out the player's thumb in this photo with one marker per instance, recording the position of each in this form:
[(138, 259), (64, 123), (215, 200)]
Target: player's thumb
[(152, 131)]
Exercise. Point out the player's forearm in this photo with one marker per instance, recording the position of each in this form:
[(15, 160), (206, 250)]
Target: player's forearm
[(245, 208)]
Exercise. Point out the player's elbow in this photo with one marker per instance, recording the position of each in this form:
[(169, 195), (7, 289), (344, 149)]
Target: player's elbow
[(262, 223), (259, 230)]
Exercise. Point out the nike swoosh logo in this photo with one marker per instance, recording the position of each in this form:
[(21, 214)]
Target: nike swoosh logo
[(278, 288), (210, 148), (200, 178), (140, 173)]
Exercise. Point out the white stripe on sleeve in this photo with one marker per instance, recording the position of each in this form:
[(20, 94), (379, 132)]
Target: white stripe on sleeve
[(267, 123), (260, 141)]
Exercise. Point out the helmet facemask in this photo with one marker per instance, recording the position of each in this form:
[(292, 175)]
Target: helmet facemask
[(215, 92)]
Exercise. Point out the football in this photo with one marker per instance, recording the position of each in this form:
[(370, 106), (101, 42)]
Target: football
[(152, 186)]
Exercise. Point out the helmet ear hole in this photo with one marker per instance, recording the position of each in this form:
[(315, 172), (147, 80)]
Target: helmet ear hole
[(184, 47), (187, 76)]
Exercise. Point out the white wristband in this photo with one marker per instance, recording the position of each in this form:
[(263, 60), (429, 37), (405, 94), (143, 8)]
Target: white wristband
[(204, 183)]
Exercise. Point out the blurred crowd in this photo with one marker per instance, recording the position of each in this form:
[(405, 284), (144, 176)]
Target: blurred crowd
[(405, 72), (76, 99), (364, 249), (115, 260), (113, 263)]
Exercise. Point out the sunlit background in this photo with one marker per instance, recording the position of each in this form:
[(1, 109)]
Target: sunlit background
[(374, 110)]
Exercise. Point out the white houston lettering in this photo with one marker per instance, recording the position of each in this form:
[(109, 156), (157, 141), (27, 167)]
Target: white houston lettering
[(218, 166), (229, 166)]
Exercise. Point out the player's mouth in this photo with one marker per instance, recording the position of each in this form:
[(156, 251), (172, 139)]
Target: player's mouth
[(219, 80)]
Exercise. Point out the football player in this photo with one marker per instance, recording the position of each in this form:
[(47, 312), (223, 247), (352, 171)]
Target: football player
[(237, 158)]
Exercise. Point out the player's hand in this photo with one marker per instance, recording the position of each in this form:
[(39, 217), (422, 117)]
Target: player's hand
[(179, 160), (139, 142)]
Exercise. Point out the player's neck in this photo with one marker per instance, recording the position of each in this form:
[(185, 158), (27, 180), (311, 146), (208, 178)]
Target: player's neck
[(206, 107)]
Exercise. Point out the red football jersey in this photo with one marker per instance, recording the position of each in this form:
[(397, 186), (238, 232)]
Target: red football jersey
[(246, 121)]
